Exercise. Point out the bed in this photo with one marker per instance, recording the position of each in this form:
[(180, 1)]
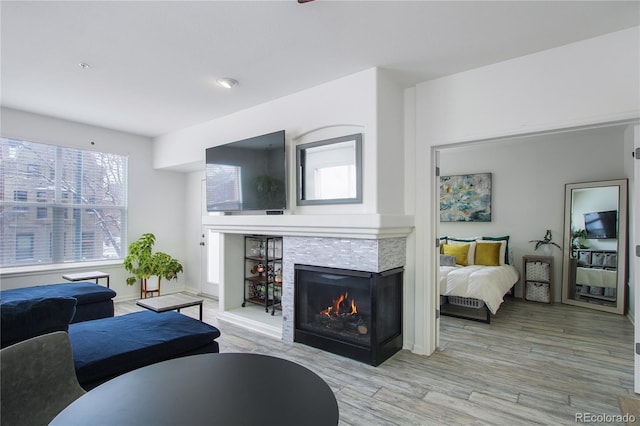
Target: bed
[(475, 275)]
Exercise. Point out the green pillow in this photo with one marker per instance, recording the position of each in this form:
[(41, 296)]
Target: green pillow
[(461, 240)]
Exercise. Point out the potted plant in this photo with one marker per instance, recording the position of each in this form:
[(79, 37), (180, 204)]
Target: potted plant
[(577, 241), (546, 243), (142, 263)]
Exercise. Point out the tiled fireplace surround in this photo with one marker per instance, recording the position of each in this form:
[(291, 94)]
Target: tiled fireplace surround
[(364, 242), (370, 255)]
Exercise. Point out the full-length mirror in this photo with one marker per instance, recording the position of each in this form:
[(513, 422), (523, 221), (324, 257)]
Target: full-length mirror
[(595, 245), (330, 171)]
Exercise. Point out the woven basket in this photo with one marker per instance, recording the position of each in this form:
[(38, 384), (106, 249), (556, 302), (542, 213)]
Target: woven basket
[(538, 292), (537, 271)]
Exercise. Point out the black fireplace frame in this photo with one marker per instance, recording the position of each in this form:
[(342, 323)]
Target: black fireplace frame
[(377, 352)]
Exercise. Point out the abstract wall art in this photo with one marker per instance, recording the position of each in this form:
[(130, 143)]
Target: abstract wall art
[(465, 198)]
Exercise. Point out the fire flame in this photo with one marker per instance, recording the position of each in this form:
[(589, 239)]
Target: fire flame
[(334, 310)]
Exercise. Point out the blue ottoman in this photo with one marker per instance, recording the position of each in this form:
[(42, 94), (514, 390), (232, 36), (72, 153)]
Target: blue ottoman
[(109, 347), (93, 301)]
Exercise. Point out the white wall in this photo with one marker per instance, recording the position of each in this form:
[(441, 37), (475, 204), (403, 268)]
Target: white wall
[(593, 81), (336, 108), (528, 179), (580, 84), (156, 198)]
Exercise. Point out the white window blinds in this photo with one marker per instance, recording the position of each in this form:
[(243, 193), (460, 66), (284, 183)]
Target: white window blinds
[(60, 205)]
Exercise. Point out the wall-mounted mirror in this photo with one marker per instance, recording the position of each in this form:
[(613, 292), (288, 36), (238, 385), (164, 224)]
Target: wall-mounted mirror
[(330, 171), (595, 245)]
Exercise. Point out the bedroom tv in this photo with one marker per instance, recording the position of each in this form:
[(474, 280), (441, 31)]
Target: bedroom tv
[(601, 225), (248, 174)]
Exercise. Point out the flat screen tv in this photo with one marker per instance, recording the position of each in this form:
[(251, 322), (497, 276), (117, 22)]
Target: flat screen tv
[(249, 174), (601, 225)]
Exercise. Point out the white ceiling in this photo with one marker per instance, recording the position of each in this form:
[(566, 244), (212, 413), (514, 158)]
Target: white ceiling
[(153, 64)]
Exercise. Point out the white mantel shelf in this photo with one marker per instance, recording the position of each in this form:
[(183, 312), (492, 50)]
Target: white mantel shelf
[(367, 226)]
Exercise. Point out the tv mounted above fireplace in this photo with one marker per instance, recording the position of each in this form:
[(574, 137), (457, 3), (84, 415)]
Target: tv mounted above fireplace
[(248, 174)]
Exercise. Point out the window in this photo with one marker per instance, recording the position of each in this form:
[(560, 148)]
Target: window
[(33, 169), (330, 171), (20, 197), (60, 205), (24, 247), (334, 182), (41, 213), (87, 245)]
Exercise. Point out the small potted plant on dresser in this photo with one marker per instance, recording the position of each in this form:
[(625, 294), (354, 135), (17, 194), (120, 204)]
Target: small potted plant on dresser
[(546, 244), (143, 264)]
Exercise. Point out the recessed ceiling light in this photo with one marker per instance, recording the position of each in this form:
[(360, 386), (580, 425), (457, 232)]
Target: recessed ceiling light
[(84, 65), (227, 83)]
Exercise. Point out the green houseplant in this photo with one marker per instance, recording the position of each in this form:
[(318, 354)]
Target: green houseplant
[(143, 263), (546, 243), (577, 241)]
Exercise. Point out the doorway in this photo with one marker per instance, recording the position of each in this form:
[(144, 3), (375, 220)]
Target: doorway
[(210, 254), (529, 176)]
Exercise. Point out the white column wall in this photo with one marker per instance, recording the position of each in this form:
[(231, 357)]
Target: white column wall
[(390, 155)]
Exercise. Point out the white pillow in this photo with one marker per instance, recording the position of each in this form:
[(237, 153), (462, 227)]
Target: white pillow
[(471, 255)]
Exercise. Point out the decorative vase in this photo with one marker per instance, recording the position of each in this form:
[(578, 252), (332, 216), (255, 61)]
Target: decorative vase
[(547, 249)]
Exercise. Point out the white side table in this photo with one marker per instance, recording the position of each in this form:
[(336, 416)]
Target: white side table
[(83, 276)]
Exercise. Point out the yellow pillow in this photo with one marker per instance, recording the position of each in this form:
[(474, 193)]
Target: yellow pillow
[(460, 251), (488, 254)]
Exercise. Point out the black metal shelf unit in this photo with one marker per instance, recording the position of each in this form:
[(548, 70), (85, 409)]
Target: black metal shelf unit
[(263, 271)]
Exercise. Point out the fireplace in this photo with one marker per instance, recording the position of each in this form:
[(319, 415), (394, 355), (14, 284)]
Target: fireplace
[(351, 313)]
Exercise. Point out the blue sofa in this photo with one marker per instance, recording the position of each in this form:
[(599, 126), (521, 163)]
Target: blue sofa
[(23, 319), (93, 301), (106, 347)]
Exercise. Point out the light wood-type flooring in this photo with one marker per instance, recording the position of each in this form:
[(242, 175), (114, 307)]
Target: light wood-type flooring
[(534, 364)]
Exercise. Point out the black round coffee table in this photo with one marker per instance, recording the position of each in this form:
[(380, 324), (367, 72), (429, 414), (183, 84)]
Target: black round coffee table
[(224, 389)]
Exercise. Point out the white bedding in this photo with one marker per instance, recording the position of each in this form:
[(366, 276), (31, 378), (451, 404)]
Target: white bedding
[(487, 283)]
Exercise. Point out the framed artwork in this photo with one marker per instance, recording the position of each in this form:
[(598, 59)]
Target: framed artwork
[(465, 198)]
